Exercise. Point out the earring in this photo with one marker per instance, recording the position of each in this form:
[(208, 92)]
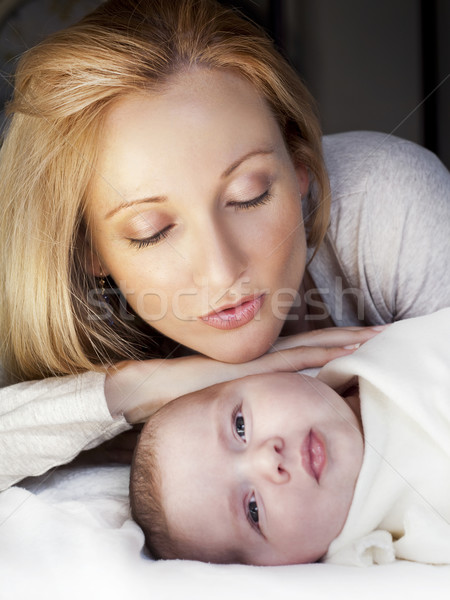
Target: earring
[(104, 295), (101, 283)]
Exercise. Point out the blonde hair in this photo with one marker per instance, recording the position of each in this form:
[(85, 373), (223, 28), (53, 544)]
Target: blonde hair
[(63, 89)]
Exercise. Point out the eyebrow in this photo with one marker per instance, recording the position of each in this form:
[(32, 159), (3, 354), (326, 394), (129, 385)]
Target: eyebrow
[(242, 159), (162, 199), (130, 203)]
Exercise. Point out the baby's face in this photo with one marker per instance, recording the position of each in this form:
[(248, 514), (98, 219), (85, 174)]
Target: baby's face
[(260, 470)]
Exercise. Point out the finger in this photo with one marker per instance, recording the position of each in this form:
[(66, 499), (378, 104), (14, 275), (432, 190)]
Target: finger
[(306, 357), (331, 337)]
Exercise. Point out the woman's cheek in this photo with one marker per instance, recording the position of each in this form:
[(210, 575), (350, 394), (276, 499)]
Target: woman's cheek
[(273, 226), (285, 231), (154, 284)]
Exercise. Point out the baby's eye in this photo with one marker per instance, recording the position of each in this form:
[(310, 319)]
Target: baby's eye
[(239, 424), (253, 511)]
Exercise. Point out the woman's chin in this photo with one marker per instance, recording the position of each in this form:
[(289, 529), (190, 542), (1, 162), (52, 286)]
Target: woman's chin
[(240, 351), (239, 345)]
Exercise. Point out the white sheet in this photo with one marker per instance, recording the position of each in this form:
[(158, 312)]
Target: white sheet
[(69, 535)]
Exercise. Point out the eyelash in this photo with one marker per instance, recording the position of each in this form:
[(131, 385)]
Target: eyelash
[(264, 198), (254, 524), (234, 416), (151, 241)]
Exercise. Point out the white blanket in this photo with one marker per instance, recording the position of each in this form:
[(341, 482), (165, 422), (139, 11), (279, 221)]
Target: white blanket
[(72, 538), (404, 485)]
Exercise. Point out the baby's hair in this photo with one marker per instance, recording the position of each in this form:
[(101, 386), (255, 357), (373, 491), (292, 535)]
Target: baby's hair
[(146, 482), (146, 499), (147, 507)]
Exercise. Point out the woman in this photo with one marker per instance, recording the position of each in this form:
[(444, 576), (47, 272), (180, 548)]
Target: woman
[(163, 189)]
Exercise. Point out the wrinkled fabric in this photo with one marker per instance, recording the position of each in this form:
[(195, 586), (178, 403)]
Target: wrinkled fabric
[(401, 504)]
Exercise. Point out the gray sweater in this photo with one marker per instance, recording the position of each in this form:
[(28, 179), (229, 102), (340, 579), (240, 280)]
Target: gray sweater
[(385, 256)]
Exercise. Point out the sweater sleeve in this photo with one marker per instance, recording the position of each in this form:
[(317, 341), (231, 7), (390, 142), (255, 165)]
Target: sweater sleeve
[(407, 237), (385, 256), (46, 423)]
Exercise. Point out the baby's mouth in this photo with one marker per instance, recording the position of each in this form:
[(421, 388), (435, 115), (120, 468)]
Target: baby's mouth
[(313, 455)]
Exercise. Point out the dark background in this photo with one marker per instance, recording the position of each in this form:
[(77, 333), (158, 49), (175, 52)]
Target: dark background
[(379, 65)]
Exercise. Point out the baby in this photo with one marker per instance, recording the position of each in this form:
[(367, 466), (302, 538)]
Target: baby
[(351, 467)]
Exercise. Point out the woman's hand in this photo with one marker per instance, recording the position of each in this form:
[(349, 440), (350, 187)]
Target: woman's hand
[(137, 389), (328, 337)]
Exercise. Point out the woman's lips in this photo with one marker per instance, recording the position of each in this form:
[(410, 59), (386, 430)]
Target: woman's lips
[(235, 316), (313, 455)]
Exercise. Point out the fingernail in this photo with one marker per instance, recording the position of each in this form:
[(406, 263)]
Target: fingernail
[(381, 327), (352, 347)]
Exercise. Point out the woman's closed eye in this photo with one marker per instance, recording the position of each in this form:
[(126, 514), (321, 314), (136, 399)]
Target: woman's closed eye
[(152, 240), (264, 198)]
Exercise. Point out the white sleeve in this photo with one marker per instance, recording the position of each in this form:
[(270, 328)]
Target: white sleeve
[(47, 423)]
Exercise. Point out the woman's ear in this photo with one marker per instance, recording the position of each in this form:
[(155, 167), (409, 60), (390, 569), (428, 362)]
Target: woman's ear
[(89, 257), (92, 263), (302, 178)]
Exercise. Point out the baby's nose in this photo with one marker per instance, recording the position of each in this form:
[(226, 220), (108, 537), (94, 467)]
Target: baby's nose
[(268, 460)]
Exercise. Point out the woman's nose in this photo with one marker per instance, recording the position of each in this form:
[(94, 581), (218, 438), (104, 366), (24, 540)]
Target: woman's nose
[(267, 461), (218, 259)]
